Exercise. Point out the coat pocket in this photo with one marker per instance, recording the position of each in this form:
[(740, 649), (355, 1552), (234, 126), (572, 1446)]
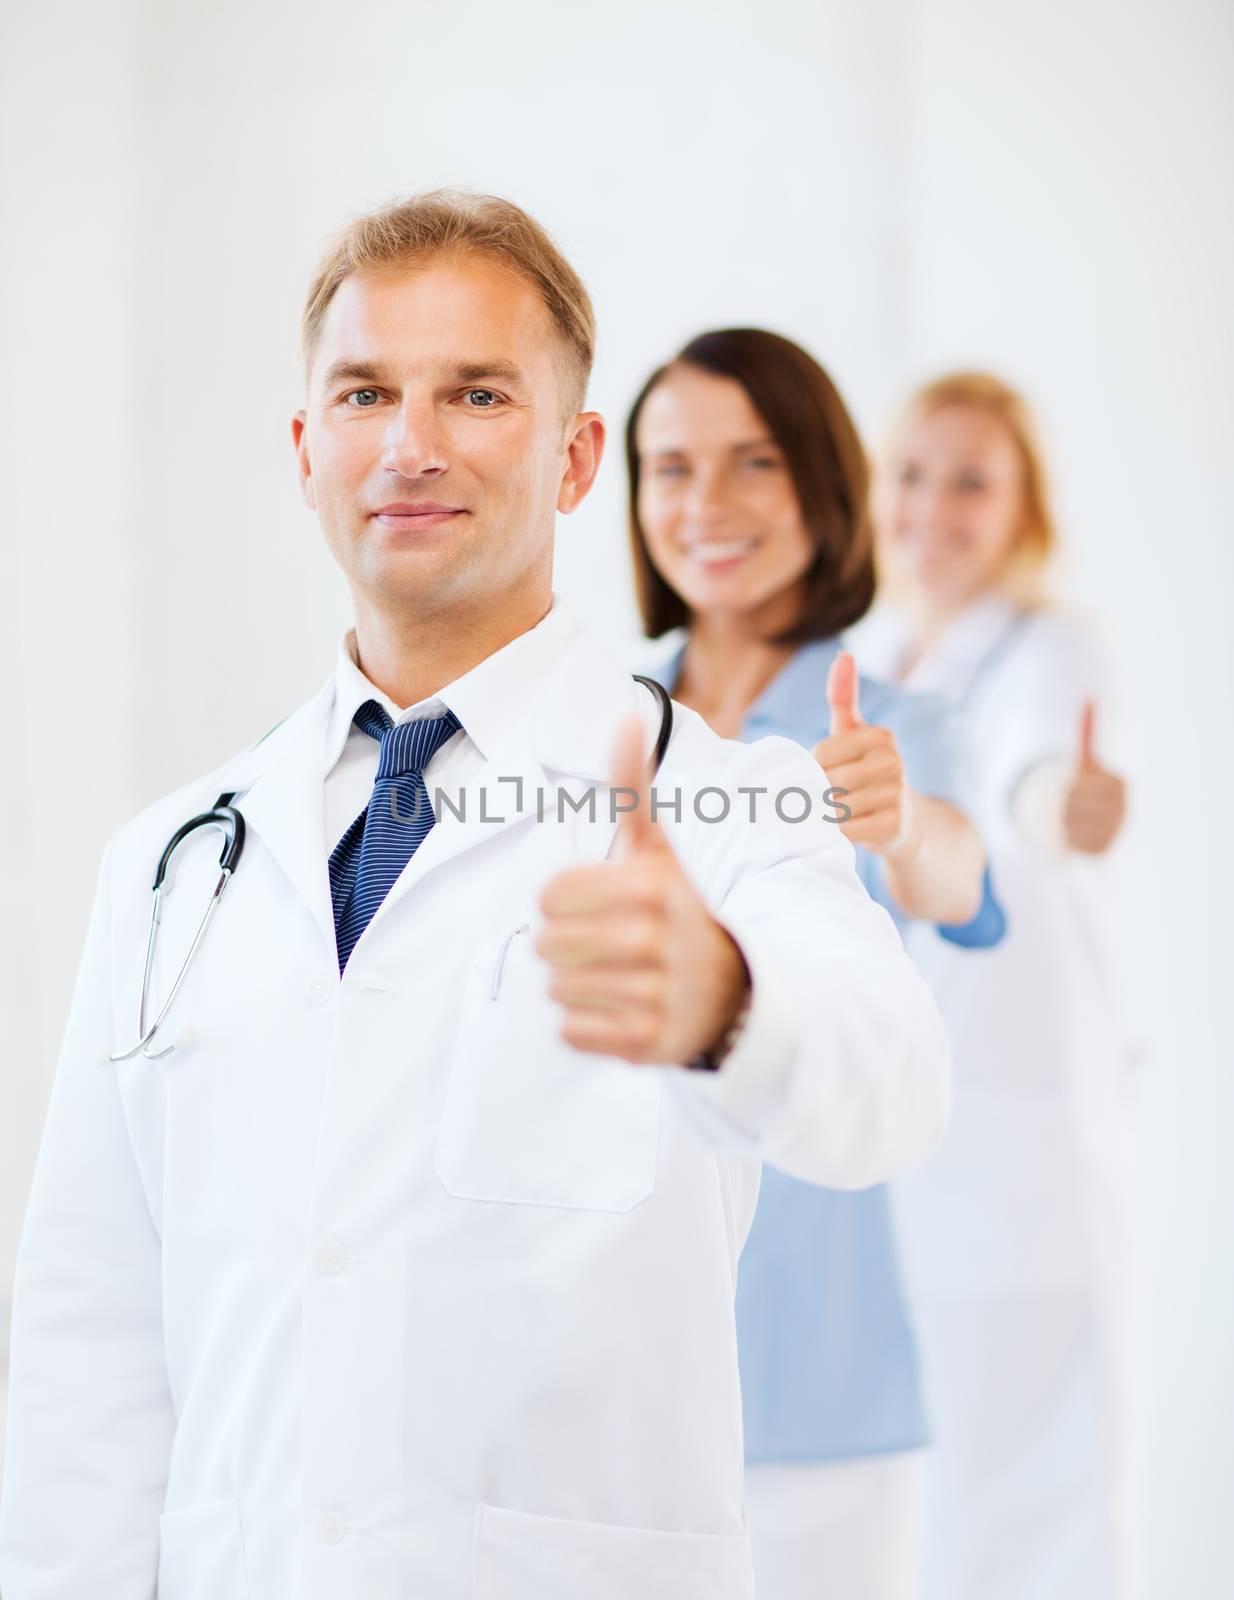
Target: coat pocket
[(529, 1120), (524, 1557), (201, 1553)]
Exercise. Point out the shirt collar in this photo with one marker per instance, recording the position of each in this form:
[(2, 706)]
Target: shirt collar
[(951, 663), (794, 700), (487, 700)]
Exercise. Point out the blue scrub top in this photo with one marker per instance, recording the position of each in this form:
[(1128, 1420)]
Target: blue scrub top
[(828, 1361)]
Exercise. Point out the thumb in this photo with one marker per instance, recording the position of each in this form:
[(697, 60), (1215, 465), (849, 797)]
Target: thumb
[(1088, 730), (631, 791), (843, 688)]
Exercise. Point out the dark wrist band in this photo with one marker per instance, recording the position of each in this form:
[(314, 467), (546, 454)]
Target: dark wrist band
[(712, 1060)]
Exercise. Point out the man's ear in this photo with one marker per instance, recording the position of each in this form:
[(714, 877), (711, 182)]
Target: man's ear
[(299, 439), (584, 448)]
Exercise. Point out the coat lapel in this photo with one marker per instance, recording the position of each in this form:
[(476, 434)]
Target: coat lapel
[(500, 796), (958, 657), (562, 739), (280, 792), (577, 720)]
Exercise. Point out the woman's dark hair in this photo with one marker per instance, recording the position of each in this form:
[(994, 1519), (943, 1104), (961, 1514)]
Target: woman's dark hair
[(810, 423)]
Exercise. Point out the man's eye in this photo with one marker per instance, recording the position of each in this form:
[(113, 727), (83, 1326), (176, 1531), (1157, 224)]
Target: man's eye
[(670, 469), (481, 399), (362, 399)]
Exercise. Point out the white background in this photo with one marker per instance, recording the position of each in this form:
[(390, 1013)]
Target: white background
[(901, 184)]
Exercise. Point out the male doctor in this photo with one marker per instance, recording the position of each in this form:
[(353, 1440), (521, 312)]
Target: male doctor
[(409, 1270)]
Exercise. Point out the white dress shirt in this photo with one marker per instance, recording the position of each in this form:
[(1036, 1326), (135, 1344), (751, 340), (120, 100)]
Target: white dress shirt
[(479, 699)]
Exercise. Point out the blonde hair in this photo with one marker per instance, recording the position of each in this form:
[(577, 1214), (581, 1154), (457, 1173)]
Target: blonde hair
[(1036, 542), (457, 222)]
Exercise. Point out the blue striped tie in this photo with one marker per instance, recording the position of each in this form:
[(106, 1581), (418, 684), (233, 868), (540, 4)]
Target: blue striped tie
[(381, 841)]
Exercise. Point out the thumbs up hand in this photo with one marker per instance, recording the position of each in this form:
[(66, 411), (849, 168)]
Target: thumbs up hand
[(639, 965), (1096, 800), (844, 694), (865, 762)]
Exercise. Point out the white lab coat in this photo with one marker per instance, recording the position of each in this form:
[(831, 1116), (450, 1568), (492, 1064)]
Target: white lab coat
[(378, 1289), (1014, 1238)]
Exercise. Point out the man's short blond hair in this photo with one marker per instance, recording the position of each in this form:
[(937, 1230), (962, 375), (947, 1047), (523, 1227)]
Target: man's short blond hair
[(456, 222)]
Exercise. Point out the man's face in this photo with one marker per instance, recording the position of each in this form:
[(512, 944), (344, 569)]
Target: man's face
[(434, 446)]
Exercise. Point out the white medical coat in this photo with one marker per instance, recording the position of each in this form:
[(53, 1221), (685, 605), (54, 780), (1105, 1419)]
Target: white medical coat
[(378, 1289), (1014, 1238)]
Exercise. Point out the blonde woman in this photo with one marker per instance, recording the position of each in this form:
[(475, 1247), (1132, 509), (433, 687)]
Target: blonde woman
[(1012, 1237)]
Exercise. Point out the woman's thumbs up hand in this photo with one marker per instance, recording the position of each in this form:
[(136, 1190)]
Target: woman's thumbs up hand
[(844, 694), (639, 965), (1096, 800), (863, 764)]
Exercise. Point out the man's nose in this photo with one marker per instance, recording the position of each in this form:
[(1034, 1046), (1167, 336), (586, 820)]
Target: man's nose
[(413, 446)]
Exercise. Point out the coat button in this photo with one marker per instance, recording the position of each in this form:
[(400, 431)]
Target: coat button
[(329, 1258), (332, 1528), (317, 992)]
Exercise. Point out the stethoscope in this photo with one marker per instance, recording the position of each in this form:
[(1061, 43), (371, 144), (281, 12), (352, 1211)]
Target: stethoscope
[(227, 819)]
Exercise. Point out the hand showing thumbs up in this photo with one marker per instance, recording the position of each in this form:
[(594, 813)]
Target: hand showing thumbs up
[(1096, 799), (865, 761), (641, 968)]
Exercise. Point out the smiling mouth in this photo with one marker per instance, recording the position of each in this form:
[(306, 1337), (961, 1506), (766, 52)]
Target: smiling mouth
[(930, 546), (428, 514), (720, 552)]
